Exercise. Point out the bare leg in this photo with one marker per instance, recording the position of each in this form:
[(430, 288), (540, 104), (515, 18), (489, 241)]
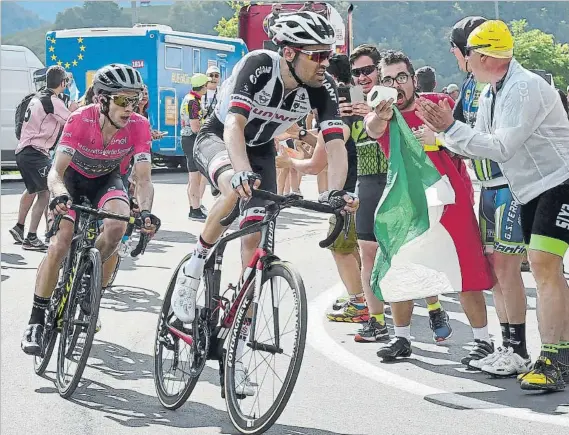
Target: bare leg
[(552, 293), (38, 210), (195, 189), (349, 271), (368, 250), (26, 201)]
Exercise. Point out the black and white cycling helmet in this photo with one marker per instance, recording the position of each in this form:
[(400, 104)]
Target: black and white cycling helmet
[(117, 77), (302, 28)]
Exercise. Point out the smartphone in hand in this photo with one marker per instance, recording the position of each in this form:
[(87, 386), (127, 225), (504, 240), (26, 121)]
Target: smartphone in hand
[(357, 94), (344, 92)]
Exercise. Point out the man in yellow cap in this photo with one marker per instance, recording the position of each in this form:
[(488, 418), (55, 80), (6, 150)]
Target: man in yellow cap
[(191, 117), (522, 126)]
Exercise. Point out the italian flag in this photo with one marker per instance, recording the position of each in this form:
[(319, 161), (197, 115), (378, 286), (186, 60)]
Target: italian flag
[(417, 256)]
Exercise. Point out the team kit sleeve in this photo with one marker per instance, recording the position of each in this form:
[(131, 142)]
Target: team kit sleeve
[(254, 74), (520, 117), (184, 114), (325, 101), (71, 137), (60, 110), (142, 142)]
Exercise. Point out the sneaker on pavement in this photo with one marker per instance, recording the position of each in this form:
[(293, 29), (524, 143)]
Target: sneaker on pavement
[(398, 347), (197, 214), (488, 360), (340, 303), (545, 375), (34, 244), (480, 350), (31, 341), (243, 385), (439, 323), (184, 297), (372, 331), (350, 313), (18, 235), (508, 364), (203, 209)]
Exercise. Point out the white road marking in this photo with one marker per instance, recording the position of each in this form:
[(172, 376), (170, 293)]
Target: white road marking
[(319, 339)]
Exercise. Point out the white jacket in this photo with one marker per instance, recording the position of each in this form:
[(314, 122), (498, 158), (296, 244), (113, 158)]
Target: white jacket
[(529, 135)]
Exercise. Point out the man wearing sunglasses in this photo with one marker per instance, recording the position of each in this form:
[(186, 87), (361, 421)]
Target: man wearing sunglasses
[(521, 124), (209, 100), (267, 93), (500, 227), (396, 71), (96, 139)]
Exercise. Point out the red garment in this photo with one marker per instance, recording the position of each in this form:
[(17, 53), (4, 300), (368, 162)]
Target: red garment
[(459, 218)]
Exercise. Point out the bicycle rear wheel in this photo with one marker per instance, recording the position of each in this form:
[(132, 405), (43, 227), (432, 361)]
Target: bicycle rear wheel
[(245, 410), (79, 323), (178, 364)]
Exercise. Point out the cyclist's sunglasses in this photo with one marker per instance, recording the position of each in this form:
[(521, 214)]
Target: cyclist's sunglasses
[(317, 56), (365, 70), (468, 49), (125, 100), (214, 75)]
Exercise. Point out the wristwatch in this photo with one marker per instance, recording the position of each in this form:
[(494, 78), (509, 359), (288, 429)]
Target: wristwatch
[(302, 133)]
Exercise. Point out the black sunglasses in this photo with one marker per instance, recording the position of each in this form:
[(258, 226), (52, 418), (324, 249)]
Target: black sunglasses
[(468, 49), (365, 70)]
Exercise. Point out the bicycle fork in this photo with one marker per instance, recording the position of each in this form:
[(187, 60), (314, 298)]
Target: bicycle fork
[(252, 343)]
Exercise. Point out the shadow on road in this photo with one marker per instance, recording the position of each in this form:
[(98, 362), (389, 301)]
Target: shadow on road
[(123, 298), (130, 408), (15, 259)]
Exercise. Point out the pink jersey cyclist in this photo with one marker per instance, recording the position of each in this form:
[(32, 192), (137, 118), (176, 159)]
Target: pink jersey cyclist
[(82, 139)]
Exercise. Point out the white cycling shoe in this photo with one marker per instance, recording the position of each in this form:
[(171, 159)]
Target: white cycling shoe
[(509, 364), (490, 359), (184, 297), (242, 384)]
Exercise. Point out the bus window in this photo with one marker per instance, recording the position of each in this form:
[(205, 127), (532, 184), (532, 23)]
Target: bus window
[(196, 65), (173, 57)]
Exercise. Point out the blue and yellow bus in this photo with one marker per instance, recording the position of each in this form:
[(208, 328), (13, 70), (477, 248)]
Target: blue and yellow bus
[(166, 59)]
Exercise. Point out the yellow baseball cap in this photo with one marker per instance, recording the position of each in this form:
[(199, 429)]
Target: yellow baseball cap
[(493, 39), (198, 80)]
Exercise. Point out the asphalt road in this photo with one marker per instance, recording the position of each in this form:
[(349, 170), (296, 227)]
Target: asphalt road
[(343, 388)]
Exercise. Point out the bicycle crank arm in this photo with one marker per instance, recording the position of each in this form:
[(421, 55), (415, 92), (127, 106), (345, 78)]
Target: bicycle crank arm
[(270, 348)]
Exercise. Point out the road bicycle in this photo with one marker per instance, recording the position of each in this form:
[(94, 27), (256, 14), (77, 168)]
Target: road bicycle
[(222, 322), (74, 305)]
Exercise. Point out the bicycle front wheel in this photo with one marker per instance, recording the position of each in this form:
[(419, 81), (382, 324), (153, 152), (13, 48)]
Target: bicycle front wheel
[(79, 323), (270, 333), (177, 363)]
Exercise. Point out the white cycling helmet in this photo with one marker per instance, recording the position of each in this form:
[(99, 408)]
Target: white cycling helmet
[(117, 77), (302, 28)]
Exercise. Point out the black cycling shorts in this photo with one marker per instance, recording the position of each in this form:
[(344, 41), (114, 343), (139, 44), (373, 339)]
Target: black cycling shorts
[(98, 190), (212, 159), (188, 147), (34, 167), (545, 221), (369, 189)]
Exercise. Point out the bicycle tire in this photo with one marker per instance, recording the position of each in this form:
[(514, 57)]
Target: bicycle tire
[(41, 363), (93, 263), (245, 424), (170, 401)]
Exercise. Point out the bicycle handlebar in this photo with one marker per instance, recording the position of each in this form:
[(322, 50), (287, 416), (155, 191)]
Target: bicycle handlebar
[(293, 201), (103, 214)]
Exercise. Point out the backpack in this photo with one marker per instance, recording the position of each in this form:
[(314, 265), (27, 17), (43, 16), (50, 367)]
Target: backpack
[(21, 110)]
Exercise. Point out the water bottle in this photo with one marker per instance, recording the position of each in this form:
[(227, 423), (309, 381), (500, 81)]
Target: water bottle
[(124, 247)]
